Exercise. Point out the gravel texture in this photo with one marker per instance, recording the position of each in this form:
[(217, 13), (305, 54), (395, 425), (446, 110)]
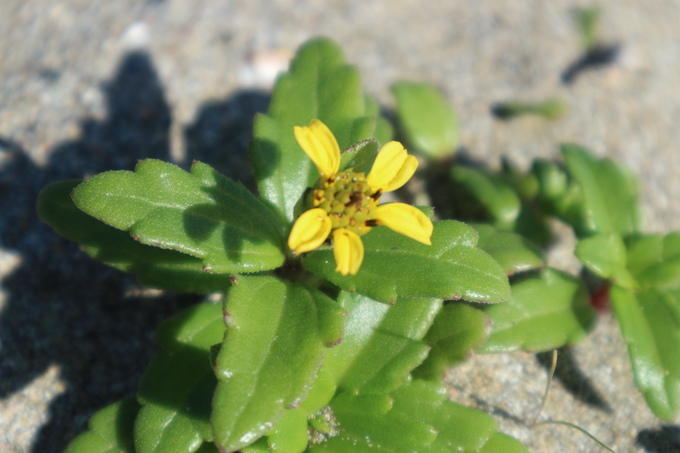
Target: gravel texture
[(90, 86)]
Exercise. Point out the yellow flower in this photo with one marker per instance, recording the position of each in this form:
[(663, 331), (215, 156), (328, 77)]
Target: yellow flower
[(345, 205)]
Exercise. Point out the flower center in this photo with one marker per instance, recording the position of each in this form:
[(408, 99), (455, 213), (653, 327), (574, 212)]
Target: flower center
[(348, 200)]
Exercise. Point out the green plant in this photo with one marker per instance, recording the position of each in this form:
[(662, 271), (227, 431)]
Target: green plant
[(342, 346)]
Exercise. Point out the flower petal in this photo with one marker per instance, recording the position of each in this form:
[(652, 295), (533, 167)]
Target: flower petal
[(348, 251), (405, 219), (320, 145), (392, 168), (309, 231), (403, 175)]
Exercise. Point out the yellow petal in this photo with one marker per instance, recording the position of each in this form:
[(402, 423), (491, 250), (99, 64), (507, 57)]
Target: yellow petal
[(405, 219), (320, 145), (392, 168), (309, 231), (403, 175), (348, 251)]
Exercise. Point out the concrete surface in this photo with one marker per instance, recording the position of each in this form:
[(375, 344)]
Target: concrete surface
[(76, 98)]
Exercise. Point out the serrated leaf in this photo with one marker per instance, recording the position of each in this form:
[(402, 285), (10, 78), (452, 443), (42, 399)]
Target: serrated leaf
[(545, 312), (381, 343), (177, 387), (459, 428), (416, 417), (513, 252), (609, 193), (382, 365), (360, 156), (655, 259), (318, 85), (650, 324), (367, 422), (605, 256), (498, 197), (202, 214), (457, 331), (109, 430), (154, 267), (396, 266), (276, 337), (379, 348), (426, 119)]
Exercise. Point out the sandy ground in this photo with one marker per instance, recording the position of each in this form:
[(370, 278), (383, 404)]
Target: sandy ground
[(77, 97)]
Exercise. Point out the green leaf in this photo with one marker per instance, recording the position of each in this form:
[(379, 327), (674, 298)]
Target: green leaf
[(384, 132), (416, 417), (650, 324), (605, 255), (276, 337), (588, 21), (459, 428), (513, 252), (318, 85), (202, 214), (177, 388), (550, 109), (396, 266), (381, 343), (499, 198), (609, 192), (427, 120), (457, 331), (544, 313), (644, 251), (367, 421), (553, 184), (505, 199), (500, 442), (109, 430), (290, 433), (360, 156), (258, 447), (655, 259), (154, 267), (379, 348)]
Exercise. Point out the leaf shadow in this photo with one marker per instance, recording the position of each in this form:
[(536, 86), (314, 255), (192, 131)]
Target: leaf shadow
[(662, 440), (192, 371), (62, 308), (599, 56), (221, 134)]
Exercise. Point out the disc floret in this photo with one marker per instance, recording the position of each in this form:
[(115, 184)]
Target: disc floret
[(348, 200)]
